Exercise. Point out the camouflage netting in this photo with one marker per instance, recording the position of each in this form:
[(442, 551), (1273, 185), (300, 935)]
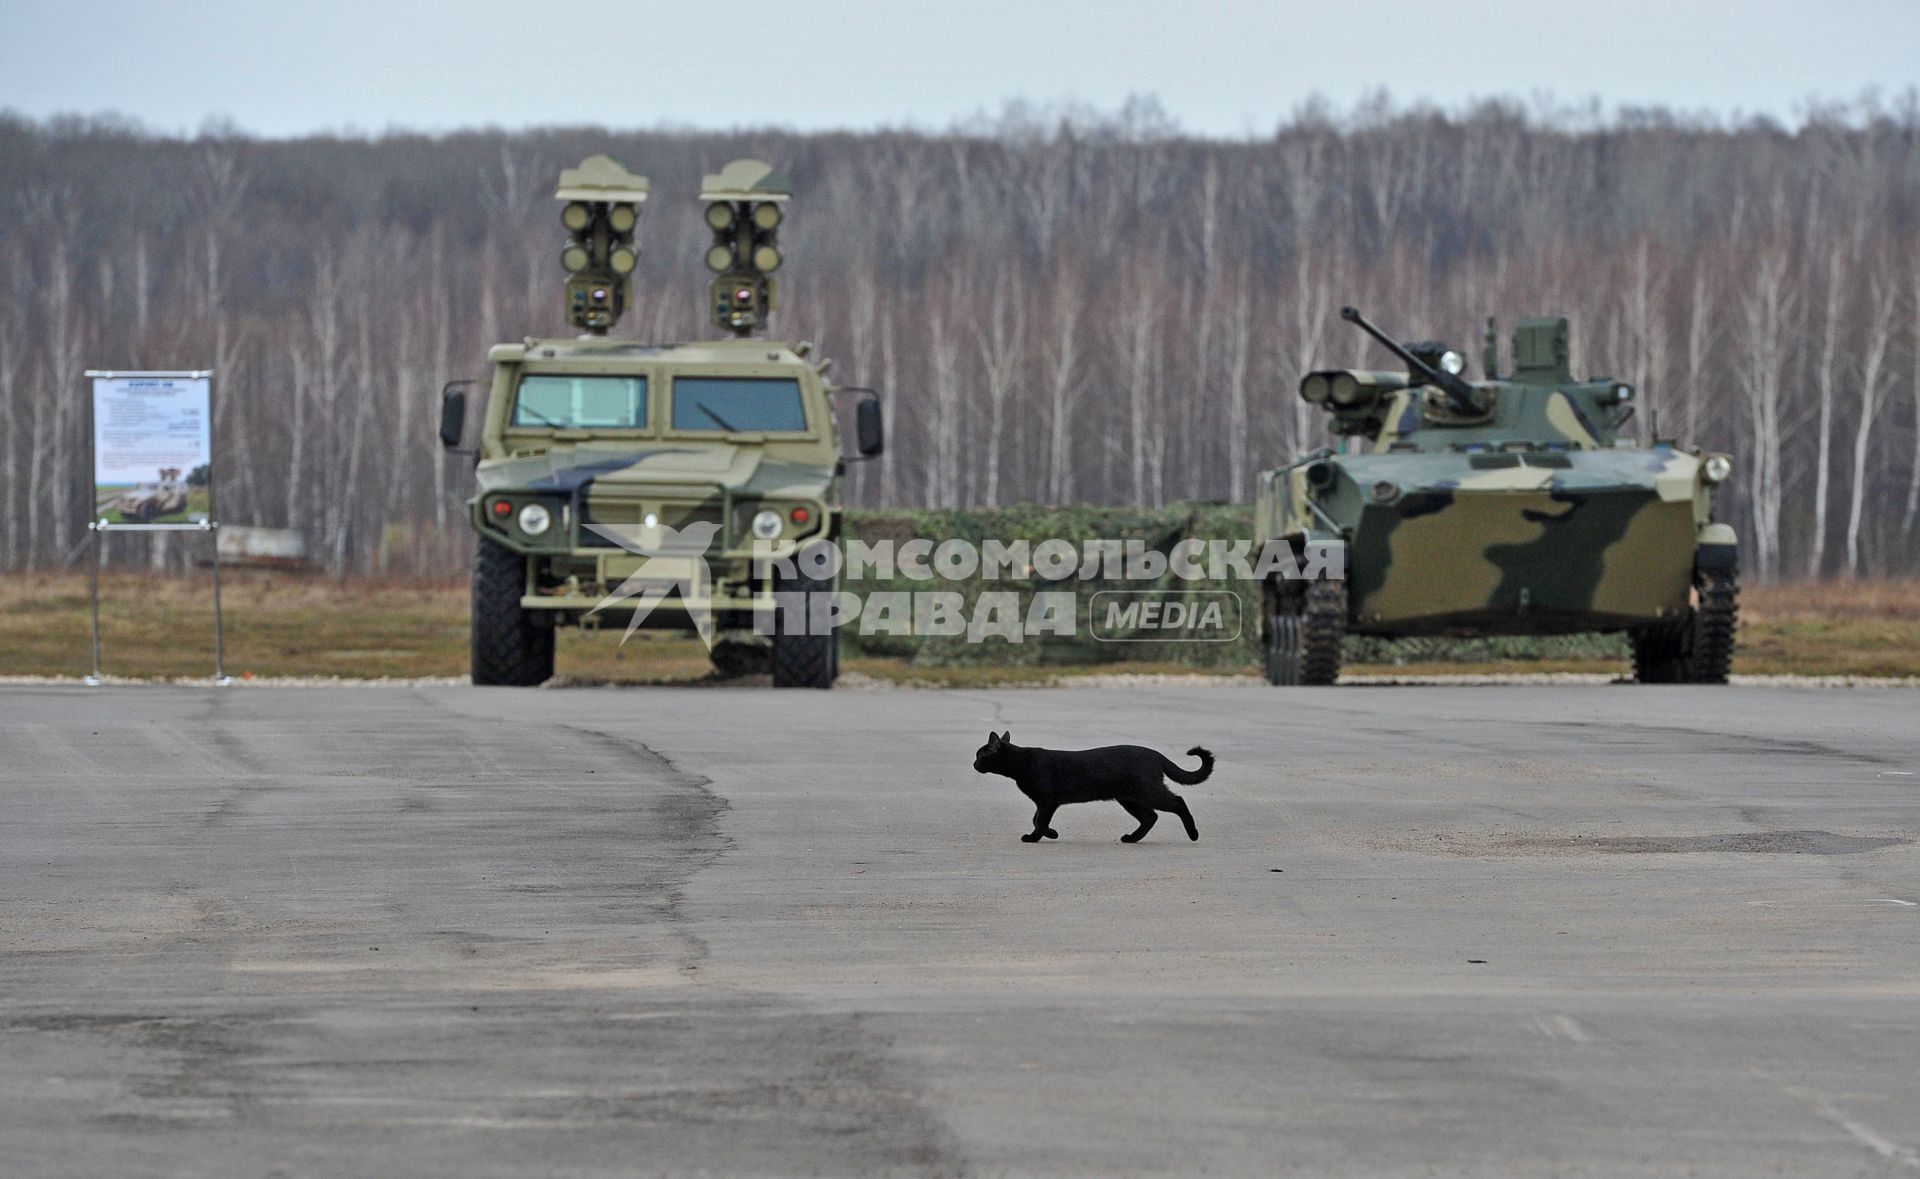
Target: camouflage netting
[(1159, 531)]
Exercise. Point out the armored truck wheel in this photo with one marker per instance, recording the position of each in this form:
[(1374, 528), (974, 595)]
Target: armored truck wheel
[(509, 650), (1306, 633), (1696, 649), (802, 660), (1283, 648)]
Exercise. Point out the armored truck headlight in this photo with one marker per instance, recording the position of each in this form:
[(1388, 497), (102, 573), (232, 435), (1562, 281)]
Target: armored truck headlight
[(535, 519), (1452, 362), (1717, 468), (766, 524)]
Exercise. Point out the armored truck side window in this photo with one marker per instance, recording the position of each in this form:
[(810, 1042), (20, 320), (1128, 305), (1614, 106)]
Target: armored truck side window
[(738, 404), (560, 401)]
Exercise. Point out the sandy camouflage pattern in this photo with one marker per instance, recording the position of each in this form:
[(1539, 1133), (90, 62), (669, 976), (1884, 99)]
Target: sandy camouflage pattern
[(701, 488)]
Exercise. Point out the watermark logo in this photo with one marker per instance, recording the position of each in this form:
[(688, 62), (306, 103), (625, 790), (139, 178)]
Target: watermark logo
[(1173, 616), (1162, 604), (672, 560)]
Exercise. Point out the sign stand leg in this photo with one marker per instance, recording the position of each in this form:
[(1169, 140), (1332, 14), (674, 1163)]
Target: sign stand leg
[(220, 675), (93, 532)]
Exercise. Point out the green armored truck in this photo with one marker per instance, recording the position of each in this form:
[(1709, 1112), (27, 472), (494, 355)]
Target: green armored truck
[(658, 485), (1508, 506)]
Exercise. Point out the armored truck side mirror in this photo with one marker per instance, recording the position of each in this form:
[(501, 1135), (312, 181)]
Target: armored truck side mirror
[(453, 413), (870, 433)]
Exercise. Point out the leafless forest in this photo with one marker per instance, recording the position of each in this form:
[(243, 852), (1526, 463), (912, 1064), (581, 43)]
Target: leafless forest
[(1063, 309)]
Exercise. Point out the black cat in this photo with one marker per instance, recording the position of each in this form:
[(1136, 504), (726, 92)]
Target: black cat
[(1127, 774)]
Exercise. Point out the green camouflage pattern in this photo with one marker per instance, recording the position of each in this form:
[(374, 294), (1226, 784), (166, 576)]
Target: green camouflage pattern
[(652, 482), (1520, 510)]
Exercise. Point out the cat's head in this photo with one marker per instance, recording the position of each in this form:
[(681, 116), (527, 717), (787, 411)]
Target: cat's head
[(990, 756)]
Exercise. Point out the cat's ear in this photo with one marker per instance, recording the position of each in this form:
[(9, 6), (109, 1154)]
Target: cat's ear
[(1006, 738), (993, 738)]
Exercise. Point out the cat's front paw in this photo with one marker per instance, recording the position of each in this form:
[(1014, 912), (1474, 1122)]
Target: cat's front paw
[(1030, 837)]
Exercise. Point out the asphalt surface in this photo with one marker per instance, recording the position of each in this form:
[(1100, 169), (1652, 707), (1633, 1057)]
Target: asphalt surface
[(1576, 930)]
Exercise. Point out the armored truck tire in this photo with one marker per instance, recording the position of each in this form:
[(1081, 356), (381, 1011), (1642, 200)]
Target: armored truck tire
[(1306, 630), (1696, 649), (802, 660), (509, 649)]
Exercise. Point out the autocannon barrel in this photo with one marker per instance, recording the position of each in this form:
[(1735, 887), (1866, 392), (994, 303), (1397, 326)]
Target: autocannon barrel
[(1461, 396)]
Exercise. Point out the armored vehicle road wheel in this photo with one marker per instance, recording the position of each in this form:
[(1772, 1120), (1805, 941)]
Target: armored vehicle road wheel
[(802, 660), (1306, 633), (508, 649), (1715, 618), (1696, 649)]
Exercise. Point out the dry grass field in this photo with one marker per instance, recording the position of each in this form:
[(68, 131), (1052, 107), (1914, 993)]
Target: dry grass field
[(280, 625)]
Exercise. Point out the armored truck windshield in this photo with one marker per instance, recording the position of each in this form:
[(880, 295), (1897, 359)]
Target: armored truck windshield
[(566, 402), (738, 404)]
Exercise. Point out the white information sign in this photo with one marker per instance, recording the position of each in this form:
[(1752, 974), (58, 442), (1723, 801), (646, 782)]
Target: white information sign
[(152, 446)]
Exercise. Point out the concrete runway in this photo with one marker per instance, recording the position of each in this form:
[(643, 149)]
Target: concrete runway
[(1588, 930)]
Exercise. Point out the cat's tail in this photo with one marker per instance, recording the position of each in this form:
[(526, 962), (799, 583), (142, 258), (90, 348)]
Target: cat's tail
[(1189, 777)]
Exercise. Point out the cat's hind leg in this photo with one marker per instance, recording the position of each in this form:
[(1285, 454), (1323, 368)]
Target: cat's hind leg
[(1175, 805), (1147, 818)]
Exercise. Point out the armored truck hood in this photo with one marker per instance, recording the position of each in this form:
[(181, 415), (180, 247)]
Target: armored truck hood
[(742, 469)]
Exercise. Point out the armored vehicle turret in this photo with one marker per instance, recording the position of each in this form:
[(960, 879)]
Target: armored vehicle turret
[(1512, 505), (671, 486)]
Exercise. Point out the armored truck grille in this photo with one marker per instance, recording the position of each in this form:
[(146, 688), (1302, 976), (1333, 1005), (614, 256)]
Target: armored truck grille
[(632, 516)]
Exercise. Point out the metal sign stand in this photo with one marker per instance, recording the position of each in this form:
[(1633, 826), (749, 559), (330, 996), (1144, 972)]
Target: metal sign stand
[(97, 527), (210, 525)]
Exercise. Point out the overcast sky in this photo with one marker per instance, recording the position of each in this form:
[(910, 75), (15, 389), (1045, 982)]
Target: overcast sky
[(1219, 67)]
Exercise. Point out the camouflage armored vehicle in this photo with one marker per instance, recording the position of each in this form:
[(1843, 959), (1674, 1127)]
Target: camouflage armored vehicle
[(1508, 506), (633, 485), (147, 502)]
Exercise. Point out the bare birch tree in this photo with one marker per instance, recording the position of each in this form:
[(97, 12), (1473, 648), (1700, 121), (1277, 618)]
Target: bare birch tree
[(1825, 377), (1882, 301), (1061, 361), (1765, 308), (1001, 340)]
